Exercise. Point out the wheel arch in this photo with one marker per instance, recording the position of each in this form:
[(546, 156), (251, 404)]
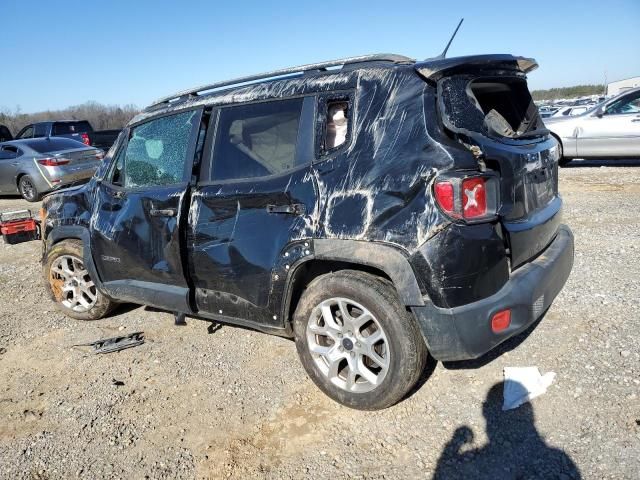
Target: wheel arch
[(331, 255), (75, 232)]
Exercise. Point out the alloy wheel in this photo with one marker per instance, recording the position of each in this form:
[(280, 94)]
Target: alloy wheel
[(71, 284), (348, 345), (27, 189)]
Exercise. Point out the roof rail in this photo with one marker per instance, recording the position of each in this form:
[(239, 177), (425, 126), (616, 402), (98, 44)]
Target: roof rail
[(379, 57)]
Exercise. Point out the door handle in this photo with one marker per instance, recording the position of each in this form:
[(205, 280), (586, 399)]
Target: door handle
[(118, 193), (166, 212), (293, 209), (636, 120)]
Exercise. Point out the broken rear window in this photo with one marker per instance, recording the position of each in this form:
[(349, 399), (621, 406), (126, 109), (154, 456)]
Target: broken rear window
[(493, 106)]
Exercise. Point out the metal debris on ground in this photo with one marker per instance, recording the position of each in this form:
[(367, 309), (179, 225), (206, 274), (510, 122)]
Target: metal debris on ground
[(522, 384), (115, 344)]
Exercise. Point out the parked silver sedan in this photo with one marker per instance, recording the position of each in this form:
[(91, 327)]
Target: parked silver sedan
[(610, 130), (35, 166)]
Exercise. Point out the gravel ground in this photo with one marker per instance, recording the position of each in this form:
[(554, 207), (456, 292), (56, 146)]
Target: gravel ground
[(197, 402)]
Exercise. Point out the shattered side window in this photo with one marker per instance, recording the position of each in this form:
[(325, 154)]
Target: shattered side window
[(337, 124), (256, 140), (157, 151)]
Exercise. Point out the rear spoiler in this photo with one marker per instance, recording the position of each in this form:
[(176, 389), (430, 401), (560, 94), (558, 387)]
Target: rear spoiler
[(435, 69)]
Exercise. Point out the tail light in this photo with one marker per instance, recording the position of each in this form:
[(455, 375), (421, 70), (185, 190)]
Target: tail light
[(85, 139), (472, 199), (53, 162)]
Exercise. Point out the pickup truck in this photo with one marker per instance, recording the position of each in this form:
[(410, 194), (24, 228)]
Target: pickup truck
[(80, 130)]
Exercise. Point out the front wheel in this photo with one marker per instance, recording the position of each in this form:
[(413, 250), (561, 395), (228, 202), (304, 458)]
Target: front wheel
[(70, 285), (356, 340)]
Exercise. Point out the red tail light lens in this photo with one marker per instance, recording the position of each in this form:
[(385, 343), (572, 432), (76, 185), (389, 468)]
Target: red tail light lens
[(469, 198), (445, 196), (53, 162), (474, 198), (85, 139)]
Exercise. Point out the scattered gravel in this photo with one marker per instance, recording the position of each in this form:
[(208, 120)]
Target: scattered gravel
[(237, 404)]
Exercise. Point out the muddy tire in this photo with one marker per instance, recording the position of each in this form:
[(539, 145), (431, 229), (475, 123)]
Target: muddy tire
[(69, 284), (357, 341), (28, 189)]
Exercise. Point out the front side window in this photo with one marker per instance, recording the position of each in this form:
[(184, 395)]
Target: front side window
[(156, 152), (256, 140), (627, 104), (26, 133)]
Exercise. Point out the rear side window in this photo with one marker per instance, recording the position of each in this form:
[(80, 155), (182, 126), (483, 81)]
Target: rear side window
[(156, 153), (256, 140), (50, 144), (69, 128)]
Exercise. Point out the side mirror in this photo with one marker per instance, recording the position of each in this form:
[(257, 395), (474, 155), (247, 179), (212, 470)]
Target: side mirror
[(600, 111)]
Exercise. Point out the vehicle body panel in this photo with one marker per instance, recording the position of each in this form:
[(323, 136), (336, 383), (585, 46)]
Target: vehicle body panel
[(599, 134)]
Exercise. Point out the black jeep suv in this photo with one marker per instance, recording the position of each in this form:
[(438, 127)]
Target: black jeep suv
[(375, 209)]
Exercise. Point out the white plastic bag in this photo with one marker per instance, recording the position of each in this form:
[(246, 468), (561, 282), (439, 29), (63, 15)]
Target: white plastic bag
[(521, 384)]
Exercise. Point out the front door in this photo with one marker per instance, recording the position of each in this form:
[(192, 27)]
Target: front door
[(614, 134), (252, 205), (139, 210)]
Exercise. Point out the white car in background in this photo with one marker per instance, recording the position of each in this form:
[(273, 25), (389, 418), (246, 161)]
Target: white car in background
[(609, 130), (570, 111)]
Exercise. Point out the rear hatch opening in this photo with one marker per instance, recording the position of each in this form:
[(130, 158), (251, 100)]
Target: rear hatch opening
[(495, 107), (507, 105), (485, 104)]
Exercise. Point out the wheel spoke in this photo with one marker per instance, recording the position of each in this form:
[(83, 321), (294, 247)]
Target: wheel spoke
[(319, 349), (367, 374)]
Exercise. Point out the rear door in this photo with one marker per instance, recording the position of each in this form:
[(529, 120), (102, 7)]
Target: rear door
[(139, 211), (615, 133), (250, 211)]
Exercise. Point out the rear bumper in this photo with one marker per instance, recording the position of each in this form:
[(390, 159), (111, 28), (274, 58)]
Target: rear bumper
[(464, 332)]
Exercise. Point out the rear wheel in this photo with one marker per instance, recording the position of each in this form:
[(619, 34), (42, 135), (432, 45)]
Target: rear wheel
[(70, 285), (356, 340), (28, 189)]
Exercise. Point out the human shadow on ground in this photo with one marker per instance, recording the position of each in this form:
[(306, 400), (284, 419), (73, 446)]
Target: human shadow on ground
[(515, 449)]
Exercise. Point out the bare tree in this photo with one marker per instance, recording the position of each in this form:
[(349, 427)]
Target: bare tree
[(101, 117)]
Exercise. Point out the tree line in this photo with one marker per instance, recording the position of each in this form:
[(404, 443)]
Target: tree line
[(568, 92), (101, 117)]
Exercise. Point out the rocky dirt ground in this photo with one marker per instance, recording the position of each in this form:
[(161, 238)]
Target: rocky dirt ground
[(196, 402)]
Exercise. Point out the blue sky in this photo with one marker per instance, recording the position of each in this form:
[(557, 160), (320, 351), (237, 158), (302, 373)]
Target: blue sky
[(56, 54)]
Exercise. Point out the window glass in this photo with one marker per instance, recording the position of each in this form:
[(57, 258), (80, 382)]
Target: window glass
[(27, 133), (40, 131), (68, 128), (627, 104), (256, 140), (54, 144), (157, 151)]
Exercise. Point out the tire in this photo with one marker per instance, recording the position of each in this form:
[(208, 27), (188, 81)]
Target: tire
[(335, 355), (27, 189), (69, 284), (562, 161)]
